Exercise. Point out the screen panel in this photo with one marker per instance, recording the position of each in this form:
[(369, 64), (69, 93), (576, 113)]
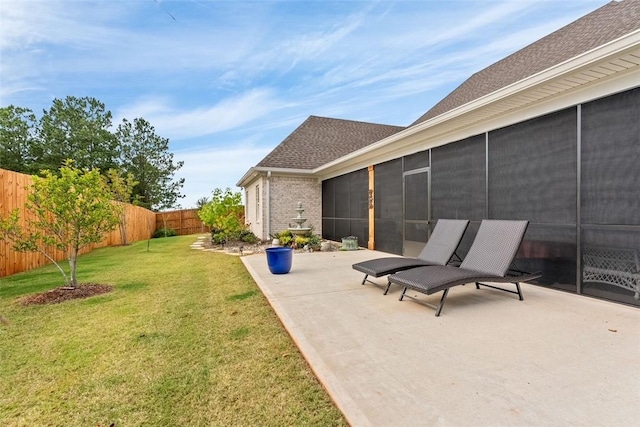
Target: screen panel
[(458, 180), (328, 198), (388, 236), (360, 229), (342, 195), (359, 194), (416, 161), (610, 179), (388, 190), (345, 206), (416, 196), (533, 169), (328, 229), (388, 206), (416, 232), (342, 229), (551, 250)]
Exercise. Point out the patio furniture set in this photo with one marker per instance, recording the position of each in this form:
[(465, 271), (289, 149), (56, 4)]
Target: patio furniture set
[(438, 268)]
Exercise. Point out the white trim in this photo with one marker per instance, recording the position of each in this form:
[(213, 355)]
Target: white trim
[(255, 171)]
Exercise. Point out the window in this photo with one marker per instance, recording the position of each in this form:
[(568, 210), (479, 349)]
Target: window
[(257, 203)]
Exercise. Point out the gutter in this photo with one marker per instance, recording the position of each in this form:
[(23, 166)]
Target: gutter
[(267, 196)]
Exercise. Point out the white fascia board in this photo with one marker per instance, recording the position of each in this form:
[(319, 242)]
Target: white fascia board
[(428, 131), (620, 82), (247, 177), (258, 170)]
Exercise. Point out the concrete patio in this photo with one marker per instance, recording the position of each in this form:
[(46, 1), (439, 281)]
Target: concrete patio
[(554, 359)]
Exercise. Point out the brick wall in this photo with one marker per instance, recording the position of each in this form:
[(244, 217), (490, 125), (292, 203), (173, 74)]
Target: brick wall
[(286, 192)]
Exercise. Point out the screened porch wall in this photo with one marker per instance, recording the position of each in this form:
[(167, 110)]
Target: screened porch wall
[(532, 175), (345, 207), (574, 174), (610, 197)]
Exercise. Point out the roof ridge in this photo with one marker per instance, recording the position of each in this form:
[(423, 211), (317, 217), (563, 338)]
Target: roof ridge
[(353, 121)]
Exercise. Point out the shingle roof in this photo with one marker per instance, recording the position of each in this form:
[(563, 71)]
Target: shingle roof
[(320, 140), (601, 26)]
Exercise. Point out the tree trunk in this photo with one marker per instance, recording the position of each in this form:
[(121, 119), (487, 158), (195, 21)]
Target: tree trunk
[(123, 231), (164, 223), (73, 258)]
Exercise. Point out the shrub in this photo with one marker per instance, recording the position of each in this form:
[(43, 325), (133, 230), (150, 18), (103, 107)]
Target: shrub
[(165, 232), (247, 237), (300, 241), (285, 237), (219, 237), (315, 241), (288, 239), (225, 214)]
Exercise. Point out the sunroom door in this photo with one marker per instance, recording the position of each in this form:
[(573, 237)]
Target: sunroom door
[(416, 211)]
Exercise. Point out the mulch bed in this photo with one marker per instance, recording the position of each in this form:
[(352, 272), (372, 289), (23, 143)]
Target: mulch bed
[(63, 293)]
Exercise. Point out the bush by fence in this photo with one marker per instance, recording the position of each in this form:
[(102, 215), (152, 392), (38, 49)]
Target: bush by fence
[(141, 224)]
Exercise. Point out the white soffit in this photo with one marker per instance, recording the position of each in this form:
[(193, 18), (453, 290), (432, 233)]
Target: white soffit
[(603, 63)]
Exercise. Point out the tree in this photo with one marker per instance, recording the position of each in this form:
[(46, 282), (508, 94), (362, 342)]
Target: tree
[(201, 202), (78, 129), (224, 213), (120, 186), (17, 137), (146, 156), (71, 211)]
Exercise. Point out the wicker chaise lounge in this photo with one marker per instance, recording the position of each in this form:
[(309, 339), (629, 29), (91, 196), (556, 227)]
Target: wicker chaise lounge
[(439, 250), (488, 260)]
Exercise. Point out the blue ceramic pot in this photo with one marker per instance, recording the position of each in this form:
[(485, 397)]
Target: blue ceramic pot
[(279, 260)]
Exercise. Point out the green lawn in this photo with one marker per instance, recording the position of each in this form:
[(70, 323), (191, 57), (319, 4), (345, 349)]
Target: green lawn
[(186, 338)]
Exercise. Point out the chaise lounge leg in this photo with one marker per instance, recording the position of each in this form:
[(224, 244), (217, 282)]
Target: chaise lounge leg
[(403, 292), (444, 296), (388, 286), (365, 279), (519, 291)]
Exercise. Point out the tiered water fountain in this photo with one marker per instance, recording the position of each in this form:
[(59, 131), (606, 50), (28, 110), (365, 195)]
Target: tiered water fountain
[(299, 220)]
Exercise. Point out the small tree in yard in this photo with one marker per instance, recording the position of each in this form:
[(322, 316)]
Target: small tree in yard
[(71, 211), (224, 213)]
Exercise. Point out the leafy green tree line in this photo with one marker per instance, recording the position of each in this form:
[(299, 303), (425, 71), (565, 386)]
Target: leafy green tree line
[(81, 129)]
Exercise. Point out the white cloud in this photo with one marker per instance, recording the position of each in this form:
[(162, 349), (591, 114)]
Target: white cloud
[(176, 122)]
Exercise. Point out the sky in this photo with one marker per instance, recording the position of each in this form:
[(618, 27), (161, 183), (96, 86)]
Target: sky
[(228, 80)]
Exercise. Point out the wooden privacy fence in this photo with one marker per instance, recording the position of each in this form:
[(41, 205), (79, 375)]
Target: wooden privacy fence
[(184, 221), (13, 194)]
